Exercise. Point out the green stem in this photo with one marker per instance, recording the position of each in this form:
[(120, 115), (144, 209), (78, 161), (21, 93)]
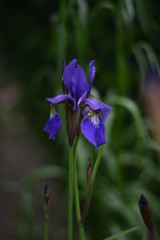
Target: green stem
[(46, 228), (76, 192), (70, 195), (91, 184)]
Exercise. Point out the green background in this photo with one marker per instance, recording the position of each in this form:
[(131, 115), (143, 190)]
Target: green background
[(123, 37)]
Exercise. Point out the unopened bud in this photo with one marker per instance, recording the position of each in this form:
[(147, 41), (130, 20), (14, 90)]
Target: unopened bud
[(46, 200), (75, 127), (146, 214), (89, 171), (151, 93)]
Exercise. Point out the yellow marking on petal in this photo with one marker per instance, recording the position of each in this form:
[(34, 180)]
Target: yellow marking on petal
[(53, 110), (91, 96), (94, 116)]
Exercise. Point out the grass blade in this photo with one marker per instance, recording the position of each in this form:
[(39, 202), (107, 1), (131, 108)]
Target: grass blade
[(121, 234)]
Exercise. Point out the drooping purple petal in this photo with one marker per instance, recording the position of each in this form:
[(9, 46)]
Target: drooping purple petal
[(105, 113), (60, 98), (94, 104), (92, 71), (97, 105), (53, 125), (75, 79), (93, 130)]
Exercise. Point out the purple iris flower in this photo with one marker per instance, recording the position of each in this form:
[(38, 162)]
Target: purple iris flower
[(83, 110)]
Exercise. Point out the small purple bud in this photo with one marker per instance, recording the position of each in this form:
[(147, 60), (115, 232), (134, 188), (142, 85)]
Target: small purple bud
[(75, 127), (89, 171), (46, 193), (46, 200), (151, 97), (146, 213)]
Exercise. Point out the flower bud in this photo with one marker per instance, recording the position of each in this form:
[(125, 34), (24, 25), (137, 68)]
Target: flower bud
[(75, 127), (89, 171), (151, 95), (46, 200), (147, 216)]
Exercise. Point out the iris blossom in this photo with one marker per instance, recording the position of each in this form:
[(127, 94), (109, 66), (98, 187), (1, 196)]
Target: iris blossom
[(83, 110)]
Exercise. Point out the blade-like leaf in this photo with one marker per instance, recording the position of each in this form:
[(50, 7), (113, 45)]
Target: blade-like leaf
[(121, 234)]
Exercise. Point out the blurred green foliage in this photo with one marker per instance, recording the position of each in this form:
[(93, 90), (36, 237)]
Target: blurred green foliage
[(123, 37)]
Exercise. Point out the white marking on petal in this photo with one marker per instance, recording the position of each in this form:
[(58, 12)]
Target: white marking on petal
[(52, 112), (95, 119)]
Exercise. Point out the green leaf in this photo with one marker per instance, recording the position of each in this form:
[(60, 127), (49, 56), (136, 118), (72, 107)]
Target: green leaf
[(132, 107), (121, 234)]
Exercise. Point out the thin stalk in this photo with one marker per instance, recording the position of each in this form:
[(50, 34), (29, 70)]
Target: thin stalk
[(91, 185), (70, 195), (46, 228), (76, 192)]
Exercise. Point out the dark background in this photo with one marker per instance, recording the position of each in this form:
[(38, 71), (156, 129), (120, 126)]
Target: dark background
[(123, 37)]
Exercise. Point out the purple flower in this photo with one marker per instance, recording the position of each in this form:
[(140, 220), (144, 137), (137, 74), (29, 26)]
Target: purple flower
[(82, 110)]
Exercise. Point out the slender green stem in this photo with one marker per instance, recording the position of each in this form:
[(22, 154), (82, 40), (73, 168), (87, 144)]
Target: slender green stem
[(46, 228), (76, 192), (70, 195), (91, 184), (95, 169)]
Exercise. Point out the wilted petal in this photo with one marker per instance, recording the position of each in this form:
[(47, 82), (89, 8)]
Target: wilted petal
[(93, 130), (53, 125), (60, 98)]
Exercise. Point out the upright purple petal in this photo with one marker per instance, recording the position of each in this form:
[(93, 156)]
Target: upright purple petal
[(92, 71), (68, 72), (75, 79), (53, 125), (60, 98), (79, 82), (93, 131)]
